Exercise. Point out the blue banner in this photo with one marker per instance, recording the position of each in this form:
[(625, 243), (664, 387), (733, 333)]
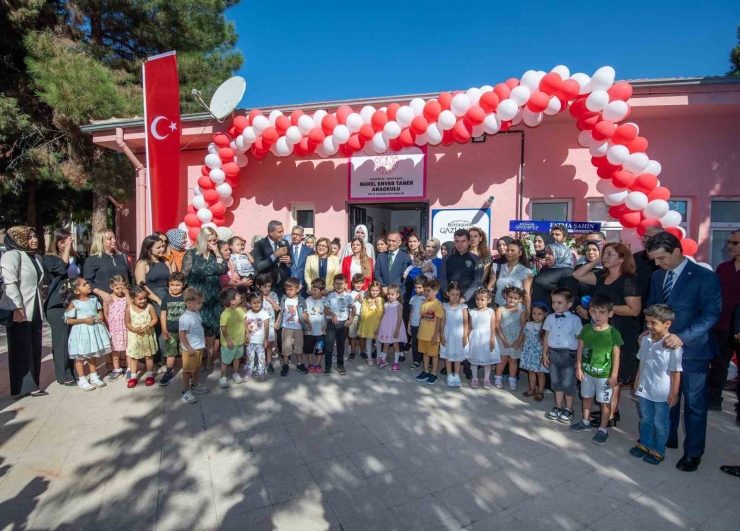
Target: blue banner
[(523, 225)]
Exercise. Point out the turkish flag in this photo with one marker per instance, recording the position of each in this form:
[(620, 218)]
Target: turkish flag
[(162, 119)]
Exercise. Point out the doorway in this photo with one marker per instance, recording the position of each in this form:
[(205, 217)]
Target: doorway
[(382, 218)]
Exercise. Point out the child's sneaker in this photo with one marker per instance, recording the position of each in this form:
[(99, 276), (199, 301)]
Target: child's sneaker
[(85, 385), (458, 380), (423, 376), (301, 368), (364, 356), (474, 383), (566, 416), (396, 367), (188, 397), (261, 378), (96, 381), (167, 378), (115, 375), (223, 383), (415, 366), (319, 369), (638, 451), (199, 389), (132, 383), (351, 356), (382, 363), (554, 413), (581, 426), (512, 384), (432, 379), (247, 377), (498, 382), (370, 362), (486, 384), (600, 438), (237, 378), (311, 369), (285, 370), (149, 381)]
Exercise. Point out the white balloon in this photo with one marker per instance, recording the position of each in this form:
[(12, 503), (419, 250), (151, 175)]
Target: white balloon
[(616, 111), (212, 148), (705, 265), (603, 78), (606, 187), (391, 129), (617, 198), (629, 236), (404, 116), (520, 95), (379, 142), (597, 101), (636, 163), (636, 200), (273, 150), (241, 146), (532, 119), (460, 104), (274, 116), (367, 113), (329, 145), (530, 81), (492, 124), (354, 122), (204, 215), (653, 167), (260, 123), (226, 200), (474, 95), (183, 227), (507, 109), (199, 202), (518, 118), (250, 135), (197, 190), (656, 209), (213, 161), (217, 175), (478, 130), (321, 152), (224, 189), (582, 80), (318, 116), (553, 107), (598, 149), (283, 147), (446, 120), (434, 134), (341, 134), (293, 134), (562, 70), (421, 140), (233, 146), (585, 139), (486, 88), (683, 231), (617, 155), (417, 105), (241, 160), (305, 124), (671, 219)]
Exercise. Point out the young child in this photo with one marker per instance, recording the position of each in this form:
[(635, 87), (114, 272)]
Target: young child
[(532, 352), (173, 306), (141, 319), (88, 338), (658, 383), (192, 343), (511, 319), (415, 319), (371, 314), (292, 308), (313, 341), (115, 316), (454, 340), (559, 349), (430, 331), (258, 327), (233, 334), (339, 309), (272, 306), (419, 266), (482, 339), (392, 333), (358, 294), (242, 265), (597, 365)]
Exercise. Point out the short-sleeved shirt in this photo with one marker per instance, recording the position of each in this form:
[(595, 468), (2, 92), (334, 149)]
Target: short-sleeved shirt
[(657, 362), (430, 312), (358, 304), (506, 278), (415, 304), (291, 312), (315, 311), (242, 266), (191, 324), (339, 304), (233, 320), (267, 306), (256, 326), (175, 307), (597, 350), (563, 331)]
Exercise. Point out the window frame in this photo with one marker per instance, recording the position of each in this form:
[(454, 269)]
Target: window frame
[(294, 208), (720, 225), (568, 202)]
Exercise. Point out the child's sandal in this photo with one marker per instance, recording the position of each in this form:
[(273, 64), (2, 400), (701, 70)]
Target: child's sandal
[(529, 393), (539, 397)]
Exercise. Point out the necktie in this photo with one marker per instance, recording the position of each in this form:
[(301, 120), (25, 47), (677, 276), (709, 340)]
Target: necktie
[(559, 316), (668, 286), (390, 260), (274, 246), (295, 250)]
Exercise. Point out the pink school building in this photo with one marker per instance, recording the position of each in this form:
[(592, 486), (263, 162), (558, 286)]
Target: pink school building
[(530, 174)]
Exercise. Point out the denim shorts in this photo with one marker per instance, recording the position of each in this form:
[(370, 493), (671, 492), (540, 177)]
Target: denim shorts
[(563, 370)]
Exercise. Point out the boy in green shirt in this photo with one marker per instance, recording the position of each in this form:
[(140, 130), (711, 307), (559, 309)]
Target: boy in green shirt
[(597, 364), (233, 334)]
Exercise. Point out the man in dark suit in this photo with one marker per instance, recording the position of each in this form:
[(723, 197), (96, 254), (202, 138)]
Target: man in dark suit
[(694, 294), (299, 252), (389, 267), (272, 255)]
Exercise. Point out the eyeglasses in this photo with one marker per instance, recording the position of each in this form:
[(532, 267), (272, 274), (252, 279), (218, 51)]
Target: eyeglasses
[(732, 242)]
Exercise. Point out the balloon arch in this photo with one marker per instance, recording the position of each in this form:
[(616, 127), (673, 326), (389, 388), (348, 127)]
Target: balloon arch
[(629, 178)]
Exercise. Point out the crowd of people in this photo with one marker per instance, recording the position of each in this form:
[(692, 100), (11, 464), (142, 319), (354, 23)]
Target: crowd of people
[(594, 322)]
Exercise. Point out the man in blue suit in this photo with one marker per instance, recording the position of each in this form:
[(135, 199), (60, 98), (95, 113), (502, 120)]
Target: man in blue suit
[(694, 293), (389, 266), (300, 252)]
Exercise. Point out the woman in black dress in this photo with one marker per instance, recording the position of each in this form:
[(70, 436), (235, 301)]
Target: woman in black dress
[(104, 263), (617, 281), (554, 274)]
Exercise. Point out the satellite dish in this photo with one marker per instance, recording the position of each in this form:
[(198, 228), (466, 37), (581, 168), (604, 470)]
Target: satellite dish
[(227, 97)]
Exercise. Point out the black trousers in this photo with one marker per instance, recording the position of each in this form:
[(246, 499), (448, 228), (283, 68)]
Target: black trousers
[(719, 366), (24, 355), (335, 333), (63, 366)]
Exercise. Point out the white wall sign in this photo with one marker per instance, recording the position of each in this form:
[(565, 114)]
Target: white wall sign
[(446, 221), (388, 176)]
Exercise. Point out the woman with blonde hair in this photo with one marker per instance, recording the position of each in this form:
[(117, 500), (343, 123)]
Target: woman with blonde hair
[(105, 262), (323, 265), (358, 262)]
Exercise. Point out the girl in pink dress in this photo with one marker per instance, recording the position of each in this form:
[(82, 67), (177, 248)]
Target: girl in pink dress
[(392, 331), (115, 315)]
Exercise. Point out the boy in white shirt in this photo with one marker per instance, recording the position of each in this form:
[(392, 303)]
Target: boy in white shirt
[(313, 341), (292, 308), (258, 325), (358, 282), (657, 384), (415, 319), (559, 350), (339, 310), (192, 343)]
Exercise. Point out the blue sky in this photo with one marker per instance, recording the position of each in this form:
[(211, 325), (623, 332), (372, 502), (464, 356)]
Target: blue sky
[(300, 52)]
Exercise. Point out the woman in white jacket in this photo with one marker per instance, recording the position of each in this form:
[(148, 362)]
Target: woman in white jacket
[(362, 233)]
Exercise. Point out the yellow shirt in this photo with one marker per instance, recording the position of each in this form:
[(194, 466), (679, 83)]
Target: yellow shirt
[(430, 312), (233, 320)]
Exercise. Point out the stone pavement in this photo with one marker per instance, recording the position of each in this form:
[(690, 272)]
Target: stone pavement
[(370, 450)]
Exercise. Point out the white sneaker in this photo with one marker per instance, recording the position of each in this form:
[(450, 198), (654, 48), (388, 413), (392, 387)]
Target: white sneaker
[(223, 382), (199, 389), (237, 378), (512, 384), (86, 386), (451, 380), (97, 382), (458, 381), (188, 398)]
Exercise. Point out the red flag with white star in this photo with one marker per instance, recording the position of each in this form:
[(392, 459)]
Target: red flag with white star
[(162, 119)]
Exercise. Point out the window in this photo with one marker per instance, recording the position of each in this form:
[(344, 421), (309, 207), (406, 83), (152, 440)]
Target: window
[(549, 210), (683, 207), (724, 218), (303, 214), (598, 211)]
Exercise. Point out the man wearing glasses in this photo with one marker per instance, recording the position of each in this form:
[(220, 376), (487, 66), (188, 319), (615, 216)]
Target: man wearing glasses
[(300, 252)]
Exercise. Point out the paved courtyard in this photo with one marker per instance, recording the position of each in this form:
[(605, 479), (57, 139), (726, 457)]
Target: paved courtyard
[(370, 450)]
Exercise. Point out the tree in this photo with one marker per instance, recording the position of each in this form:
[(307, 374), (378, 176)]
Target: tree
[(65, 63), (735, 57)]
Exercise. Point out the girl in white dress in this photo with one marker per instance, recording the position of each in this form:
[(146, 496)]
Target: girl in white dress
[(511, 319), (454, 340), (482, 339)]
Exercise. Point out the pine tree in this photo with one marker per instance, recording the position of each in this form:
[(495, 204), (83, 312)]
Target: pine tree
[(735, 57)]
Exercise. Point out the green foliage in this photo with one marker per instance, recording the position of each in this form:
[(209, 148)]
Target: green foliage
[(735, 57)]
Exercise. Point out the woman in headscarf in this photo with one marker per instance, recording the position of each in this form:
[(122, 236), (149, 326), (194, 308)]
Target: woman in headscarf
[(362, 233), (447, 248), (432, 251), (539, 260), (23, 275), (555, 274), (310, 241), (177, 239)]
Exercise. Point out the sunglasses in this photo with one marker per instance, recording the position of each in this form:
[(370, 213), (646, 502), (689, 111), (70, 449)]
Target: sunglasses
[(732, 242)]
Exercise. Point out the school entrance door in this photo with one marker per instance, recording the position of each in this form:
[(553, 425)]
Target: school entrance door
[(382, 218)]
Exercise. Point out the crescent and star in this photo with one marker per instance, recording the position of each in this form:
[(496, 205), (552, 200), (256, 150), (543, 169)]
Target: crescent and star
[(153, 128)]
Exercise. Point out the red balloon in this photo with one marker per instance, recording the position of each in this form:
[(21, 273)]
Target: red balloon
[(191, 210), (689, 247), (307, 145), (345, 150), (211, 196), (230, 169), (204, 183), (569, 90), (638, 145), (505, 126), (603, 130), (630, 219), (617, 210), (342, 112), (254, 113), (282, 123), (448, 137), (489, 101), (232, 181), (624, 134), (620, 90), (222, 140), (256, 152), (475, 115), (645, 223), (502, 90), (217, 208), (270, 135), (356, 142), (379, 119), (260, 145), (205, 171), (512, 82), (191, 220), (407, 137), (460, 132), (395, 145), (366, 132), (675, 231), (232, 132), (551, 83), (419, 125), (298, 150), (316, 135), (598, 162), (445, 99), (578, 107), (295, 115), (588, 120), (623, 179), (645, 183), (328, 123), (241, 123), (538, 101), (193, 233), (226, 154), (432, 108), (607, 171), (661, 192), (392, 110), (218, 220)]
